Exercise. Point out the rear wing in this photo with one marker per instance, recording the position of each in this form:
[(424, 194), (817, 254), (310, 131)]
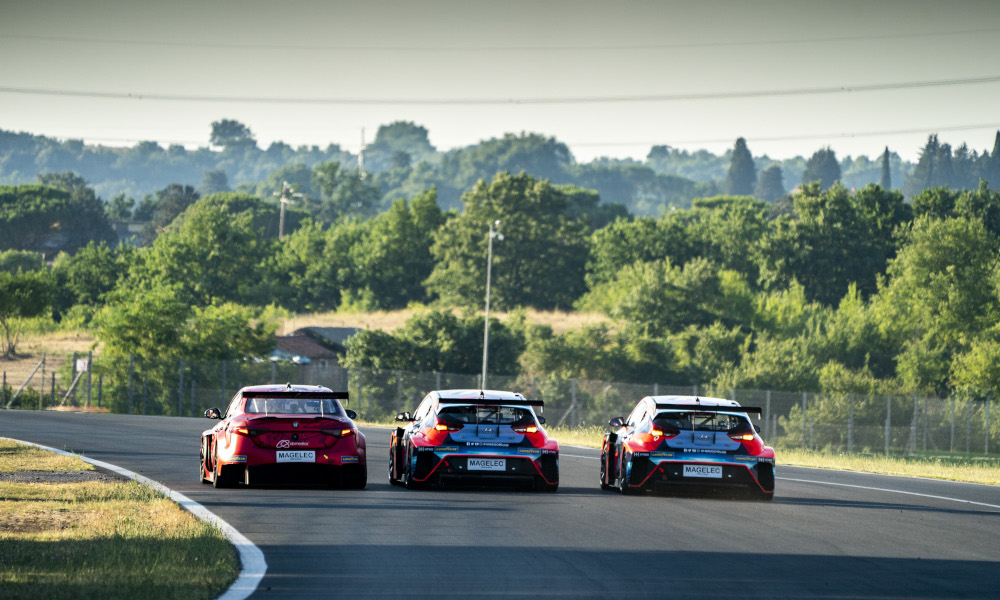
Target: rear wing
[(492, 402), (301, 395), (705, 408)]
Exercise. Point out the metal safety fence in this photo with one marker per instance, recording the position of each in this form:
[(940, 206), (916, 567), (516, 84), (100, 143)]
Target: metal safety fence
[(834, 422)]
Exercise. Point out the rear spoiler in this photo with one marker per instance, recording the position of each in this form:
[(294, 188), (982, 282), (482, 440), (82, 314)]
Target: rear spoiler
[(711, 408), (491, 402), (302, 395)]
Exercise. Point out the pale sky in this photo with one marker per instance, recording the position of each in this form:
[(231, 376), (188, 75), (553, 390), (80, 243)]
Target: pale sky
[(609, 78)]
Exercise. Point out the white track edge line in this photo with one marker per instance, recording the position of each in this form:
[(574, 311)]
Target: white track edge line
[(252, 563), (891, 491)]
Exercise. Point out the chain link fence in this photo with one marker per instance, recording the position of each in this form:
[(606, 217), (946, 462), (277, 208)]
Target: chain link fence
[(832, 422)]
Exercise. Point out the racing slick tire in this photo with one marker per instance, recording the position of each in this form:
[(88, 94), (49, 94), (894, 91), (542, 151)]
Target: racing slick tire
[(203, 468), (225, 476), (623, 482), (604, 473), (392, 465), (354, 477), (408, 474), (543, 486)]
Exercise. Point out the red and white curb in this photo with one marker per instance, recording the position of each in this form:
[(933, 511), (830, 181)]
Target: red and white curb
[(253, 565)]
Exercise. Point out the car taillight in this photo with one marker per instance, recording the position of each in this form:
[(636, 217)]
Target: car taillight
[(447, 426), (346, 431), (663, 433), (741, 437), (525, 429), (241, 430)]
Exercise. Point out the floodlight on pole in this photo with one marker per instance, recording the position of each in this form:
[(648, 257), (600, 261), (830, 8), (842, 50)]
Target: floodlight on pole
[(489, 268), (287, 193)]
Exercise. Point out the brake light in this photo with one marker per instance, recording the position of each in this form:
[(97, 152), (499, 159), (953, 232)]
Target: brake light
[(241, 431), (447, 426), (742, 437), (338, 432), (525, 429)]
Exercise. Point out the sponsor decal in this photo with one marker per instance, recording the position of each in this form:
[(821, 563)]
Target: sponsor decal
[(528, 451), (550, 451), (295, 424), (348, 459), (704, 451), (765, 460), (289, 444), (640, 454), (237, 458), (662, 454), (426, 449), (445, 449), (746, 458), (295, 456), (490, 444)]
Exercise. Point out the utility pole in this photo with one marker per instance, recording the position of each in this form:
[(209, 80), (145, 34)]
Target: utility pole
[(361, 155), (287, 193), (489, 269)]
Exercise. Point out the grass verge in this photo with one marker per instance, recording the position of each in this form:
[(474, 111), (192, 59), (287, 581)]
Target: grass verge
[(92, 539)]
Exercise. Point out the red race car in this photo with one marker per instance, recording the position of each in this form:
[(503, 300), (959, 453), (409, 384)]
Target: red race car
[(284, 432)]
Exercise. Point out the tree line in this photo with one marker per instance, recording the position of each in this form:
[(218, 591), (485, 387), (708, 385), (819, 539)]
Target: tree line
[(401, 162), (828, 290)]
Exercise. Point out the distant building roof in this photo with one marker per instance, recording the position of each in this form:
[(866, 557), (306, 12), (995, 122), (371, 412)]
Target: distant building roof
[(300, 344), (336, 336)]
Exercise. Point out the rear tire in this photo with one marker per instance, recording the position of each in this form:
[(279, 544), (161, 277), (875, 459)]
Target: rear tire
[(408, 474), (543, 486), (623, 482), (604, 472), (392, 466), (225, 476), (204, 467), (355, 477)]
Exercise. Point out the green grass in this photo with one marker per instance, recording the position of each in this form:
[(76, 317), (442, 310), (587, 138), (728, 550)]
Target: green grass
[(18, 457), (104, 540)]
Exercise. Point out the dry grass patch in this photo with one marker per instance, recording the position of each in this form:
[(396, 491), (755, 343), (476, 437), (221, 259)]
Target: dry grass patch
[(561, 322), (18, 457), (973, 469), (105, 540)]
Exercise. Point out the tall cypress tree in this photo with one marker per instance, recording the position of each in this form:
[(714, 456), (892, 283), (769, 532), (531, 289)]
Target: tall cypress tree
[(923, 175), (886, 182), (742, 177), (992, 171)]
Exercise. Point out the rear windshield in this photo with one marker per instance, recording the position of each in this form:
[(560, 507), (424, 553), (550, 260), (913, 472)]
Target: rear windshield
[(698, 421), (499, 415), (292, 406)]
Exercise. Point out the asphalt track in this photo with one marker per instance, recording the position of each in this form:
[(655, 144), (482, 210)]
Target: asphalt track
[(827, 534)]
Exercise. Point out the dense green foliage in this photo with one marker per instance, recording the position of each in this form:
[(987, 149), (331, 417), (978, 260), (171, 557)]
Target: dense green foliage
[(855, 290)]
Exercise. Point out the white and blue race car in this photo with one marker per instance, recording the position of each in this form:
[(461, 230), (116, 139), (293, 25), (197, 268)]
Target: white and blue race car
[(671, 441)]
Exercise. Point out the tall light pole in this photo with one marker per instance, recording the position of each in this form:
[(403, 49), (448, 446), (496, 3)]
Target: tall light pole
[(286, 191), (489, 269)]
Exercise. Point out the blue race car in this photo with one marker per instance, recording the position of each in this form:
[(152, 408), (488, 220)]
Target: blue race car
[(670, 441), (473, 436)]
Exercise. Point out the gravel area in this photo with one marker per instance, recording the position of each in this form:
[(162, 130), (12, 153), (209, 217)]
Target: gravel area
[(60, 476)]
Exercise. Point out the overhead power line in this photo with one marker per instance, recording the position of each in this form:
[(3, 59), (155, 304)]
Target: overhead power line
[(790, 138), (731, 95), (493, 48)]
